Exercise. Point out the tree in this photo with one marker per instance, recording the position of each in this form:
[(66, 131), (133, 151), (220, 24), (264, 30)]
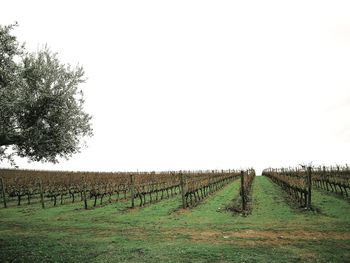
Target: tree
[(41, 106)]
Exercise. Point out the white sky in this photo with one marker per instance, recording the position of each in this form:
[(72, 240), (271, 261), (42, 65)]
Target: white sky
[(201, 84)]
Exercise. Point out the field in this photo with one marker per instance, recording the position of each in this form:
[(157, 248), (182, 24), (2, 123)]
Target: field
[(275, 231)]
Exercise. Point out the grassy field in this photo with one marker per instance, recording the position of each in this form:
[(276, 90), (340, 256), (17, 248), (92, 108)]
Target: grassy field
[(274, 232)]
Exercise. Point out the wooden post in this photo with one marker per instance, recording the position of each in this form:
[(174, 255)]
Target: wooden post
[(242, 191), (309, 185), (41, 194), (84, 193), (132, 191), (324, 178), (182, 186), (3, 192)]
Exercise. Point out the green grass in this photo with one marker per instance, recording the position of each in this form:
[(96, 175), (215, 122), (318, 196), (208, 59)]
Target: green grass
[(274, 232)]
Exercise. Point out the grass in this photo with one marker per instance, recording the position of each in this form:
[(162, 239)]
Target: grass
[(274, 232)]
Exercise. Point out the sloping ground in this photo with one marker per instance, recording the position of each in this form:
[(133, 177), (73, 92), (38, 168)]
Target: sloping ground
[(274, 232)]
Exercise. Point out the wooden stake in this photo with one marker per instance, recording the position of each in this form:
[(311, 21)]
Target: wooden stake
[(3, 192), (309, 185), (242, 192), (84, 193), (182, 186), (41, 194), (132, 191)]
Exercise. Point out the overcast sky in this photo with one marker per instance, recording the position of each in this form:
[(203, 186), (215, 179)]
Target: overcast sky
[(201, 84)]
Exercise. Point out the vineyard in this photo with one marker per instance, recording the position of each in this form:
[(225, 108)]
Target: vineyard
[(158, 229), (294, 181), (198, 185), (142, 188), (46, 187), (43, 186), (175, 216), (332, 179), (298, 182)]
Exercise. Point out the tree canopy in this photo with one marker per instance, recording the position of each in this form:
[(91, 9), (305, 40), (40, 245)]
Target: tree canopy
[(41, 105)]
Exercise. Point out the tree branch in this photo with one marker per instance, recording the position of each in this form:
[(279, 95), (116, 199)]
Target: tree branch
[(6, 140)]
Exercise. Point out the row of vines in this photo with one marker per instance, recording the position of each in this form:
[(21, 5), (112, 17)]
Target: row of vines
[(247, 178), (58, 187), (298, 182), (198, 185), (332, 179), (52, 188)]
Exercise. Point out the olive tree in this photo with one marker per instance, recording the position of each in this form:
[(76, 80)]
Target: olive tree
[(41, 105)]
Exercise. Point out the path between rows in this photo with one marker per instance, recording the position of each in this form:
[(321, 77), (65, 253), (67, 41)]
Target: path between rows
[(273, 220)]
